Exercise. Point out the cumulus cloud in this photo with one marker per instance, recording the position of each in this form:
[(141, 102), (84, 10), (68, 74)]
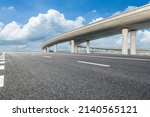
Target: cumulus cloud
[(145, 40), (47, 25), (30, 36), (18, 47), (1, 26), (40, 27), (108, 42)]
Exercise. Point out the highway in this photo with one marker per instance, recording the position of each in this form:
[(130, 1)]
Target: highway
[(64, 76)]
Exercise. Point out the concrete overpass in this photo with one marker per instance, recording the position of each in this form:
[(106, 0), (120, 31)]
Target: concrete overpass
[(125, 23)]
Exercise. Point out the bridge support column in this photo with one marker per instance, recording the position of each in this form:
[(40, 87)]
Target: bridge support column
[(133, 42), (72, 44), (76, 48), (88, 47), (44, 49), (47, 49), (125, 41), (55, 47)]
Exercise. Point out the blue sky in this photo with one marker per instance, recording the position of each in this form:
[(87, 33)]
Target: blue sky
[(22, 22)]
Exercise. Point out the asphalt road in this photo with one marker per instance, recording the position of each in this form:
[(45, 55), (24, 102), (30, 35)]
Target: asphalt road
[(62, 76)]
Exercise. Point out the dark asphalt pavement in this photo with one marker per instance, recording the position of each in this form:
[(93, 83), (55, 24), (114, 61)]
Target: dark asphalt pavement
[(51, 76)]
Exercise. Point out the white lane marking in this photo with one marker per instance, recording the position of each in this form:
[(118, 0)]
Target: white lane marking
[(117, 58), (2, 62), (1, 80), (2, 67), (97, 64), (47, 56), (2, 59), (4, 54)]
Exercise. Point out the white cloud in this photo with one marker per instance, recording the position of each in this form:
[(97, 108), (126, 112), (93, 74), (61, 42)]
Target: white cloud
[(40, 27), (145, 40), (108, 42), (44, 26), (97, 19), (1, 26), (94, 11), (117, 13), (10, 8), (129, 8), (16, 47)]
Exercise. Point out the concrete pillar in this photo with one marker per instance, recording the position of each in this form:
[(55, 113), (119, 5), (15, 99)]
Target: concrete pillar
[(125, 41), (55, 48), (133, 42), (44, 49), (72, 45), (76, 48), (88, 47), (47, 49)]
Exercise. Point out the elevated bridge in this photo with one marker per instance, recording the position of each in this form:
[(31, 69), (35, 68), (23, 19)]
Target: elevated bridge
[(130, 21)]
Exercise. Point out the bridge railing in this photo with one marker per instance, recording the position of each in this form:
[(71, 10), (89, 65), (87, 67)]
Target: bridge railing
[(142, 51)]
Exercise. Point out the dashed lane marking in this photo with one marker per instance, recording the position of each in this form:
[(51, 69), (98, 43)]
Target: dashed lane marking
[(107, 57), (97, 64), (1, 80), (2, 59), (2, 62), (2, 67), (47, 56)]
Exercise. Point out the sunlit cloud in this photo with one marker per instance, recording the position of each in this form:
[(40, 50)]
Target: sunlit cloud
[(41, 27)]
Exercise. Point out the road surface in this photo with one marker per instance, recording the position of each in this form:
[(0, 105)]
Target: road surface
[(64, 76)]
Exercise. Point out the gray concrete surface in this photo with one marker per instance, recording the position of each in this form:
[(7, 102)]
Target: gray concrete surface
[(37, 75)]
